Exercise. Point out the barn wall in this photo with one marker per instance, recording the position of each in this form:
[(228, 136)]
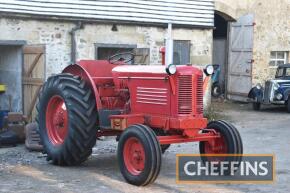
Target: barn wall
[(56, 37), (271, 32)]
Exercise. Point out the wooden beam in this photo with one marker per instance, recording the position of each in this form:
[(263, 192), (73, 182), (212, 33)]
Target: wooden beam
[(32, 66), (33, 49), (32, 81)]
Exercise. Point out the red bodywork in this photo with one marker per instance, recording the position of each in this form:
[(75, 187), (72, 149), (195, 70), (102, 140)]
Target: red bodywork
[(148, 95)]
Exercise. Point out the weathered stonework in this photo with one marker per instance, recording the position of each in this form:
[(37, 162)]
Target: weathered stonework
[(271, 32), (56, 37)]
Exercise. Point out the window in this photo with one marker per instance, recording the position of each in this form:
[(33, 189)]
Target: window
[(181, 55), (287, 73), (104, 51), (280, 72), (278, 57)]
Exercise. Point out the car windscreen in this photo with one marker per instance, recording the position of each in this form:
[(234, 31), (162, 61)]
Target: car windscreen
[(287, 72), (280, 72)]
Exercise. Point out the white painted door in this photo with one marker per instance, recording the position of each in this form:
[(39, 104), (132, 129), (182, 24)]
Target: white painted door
[(240, 60)]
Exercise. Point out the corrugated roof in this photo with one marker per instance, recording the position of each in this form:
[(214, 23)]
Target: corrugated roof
[(183, 12)]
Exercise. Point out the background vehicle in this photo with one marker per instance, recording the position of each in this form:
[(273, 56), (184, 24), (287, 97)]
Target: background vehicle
[(146, 107), (216, 89), (276, 91)]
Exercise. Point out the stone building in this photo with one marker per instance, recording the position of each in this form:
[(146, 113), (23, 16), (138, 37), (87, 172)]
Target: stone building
[(247, 38), (255, 37), (53, 34)]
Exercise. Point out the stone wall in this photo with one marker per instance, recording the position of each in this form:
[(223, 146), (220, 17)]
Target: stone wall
[(55, 35), (271, 32)]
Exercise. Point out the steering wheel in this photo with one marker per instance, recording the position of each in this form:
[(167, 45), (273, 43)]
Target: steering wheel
[(124, 57)]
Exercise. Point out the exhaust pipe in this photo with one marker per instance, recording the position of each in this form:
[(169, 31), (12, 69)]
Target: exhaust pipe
[(170, 67)]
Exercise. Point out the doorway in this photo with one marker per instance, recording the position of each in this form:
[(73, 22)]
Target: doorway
[(220, 46), (233, 51), (10, 75)]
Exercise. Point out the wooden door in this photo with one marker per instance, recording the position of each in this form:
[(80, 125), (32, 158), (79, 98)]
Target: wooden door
[(240, 58), (33, 77)]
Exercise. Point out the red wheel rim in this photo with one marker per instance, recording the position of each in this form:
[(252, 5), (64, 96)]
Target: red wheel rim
[(134, 156), (56, 120), (217, 146)]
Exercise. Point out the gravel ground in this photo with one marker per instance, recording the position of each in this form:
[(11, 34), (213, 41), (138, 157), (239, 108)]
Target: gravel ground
[(267, 131)]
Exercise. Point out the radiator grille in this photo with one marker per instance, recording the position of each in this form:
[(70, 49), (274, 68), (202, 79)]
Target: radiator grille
[(267, 92), (184, 94), (199, 95)]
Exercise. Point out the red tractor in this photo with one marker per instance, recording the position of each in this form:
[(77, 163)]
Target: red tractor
[(146, 107)]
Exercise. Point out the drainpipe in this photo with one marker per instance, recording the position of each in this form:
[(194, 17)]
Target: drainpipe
[(73, 31), (169, 47)]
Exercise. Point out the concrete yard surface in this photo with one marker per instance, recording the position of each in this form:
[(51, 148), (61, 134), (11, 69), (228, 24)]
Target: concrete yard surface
[(264, 132)]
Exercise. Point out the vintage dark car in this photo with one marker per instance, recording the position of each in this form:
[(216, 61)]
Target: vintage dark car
[(275, 91)]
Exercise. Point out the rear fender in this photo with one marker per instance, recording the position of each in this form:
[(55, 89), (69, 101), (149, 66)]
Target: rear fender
[(78, 70), (256, 93)]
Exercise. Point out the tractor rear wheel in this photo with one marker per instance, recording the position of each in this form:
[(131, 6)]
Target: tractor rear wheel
[(67, 119), (229, 142), (139, 155)]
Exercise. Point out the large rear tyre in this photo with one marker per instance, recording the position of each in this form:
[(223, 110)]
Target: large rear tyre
[(67, 119), (139, 155), (229, 142)]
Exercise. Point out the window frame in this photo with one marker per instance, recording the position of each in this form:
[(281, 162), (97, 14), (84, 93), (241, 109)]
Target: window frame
[(104, 45), (276, 59)]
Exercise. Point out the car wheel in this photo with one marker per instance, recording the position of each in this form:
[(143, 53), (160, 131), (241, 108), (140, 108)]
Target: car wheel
[(216, 90), (256, 106), (288, 106)]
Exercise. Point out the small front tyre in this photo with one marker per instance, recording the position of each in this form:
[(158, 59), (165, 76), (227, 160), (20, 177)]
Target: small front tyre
[(139, 155), (229, 142)]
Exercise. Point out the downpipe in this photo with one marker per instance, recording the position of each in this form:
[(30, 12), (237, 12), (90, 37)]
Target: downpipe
[(72, 33)]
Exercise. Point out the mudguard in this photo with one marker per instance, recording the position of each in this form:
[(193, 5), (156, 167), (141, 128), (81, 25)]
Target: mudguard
[(256, 93)]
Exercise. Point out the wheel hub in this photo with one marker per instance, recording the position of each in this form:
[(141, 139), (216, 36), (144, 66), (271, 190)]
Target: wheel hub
[(218, 146), (134, 156), (56, 120)]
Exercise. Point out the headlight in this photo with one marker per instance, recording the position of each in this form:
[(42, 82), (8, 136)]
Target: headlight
[(259, 86), (171, 69), (276, 86), (209, 70), (279, 96)]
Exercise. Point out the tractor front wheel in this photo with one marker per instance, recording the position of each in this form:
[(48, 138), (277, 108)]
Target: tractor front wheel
[(139, 155), (229, 142), (67, 119)]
